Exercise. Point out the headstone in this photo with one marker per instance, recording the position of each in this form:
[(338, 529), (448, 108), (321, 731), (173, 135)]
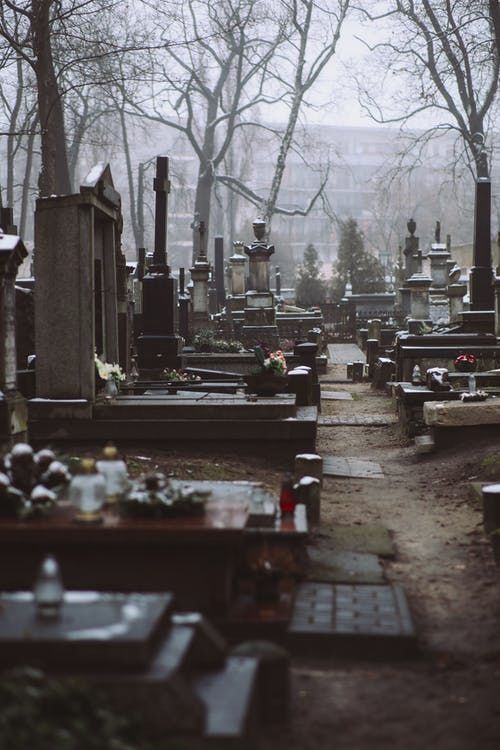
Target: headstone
[(481, 274), (76, 299), (419, 285), (159, 345), (200, 273), (13, 414), (260, 317), (219, 271)]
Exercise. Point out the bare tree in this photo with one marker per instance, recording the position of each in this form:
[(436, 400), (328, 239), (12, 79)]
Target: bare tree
[(445, 58), (206, 83)]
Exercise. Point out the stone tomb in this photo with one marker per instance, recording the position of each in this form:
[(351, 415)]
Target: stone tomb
[(174, 669), (76, 291)]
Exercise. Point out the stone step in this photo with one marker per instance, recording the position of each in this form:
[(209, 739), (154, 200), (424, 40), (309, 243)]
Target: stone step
[(230, 696)]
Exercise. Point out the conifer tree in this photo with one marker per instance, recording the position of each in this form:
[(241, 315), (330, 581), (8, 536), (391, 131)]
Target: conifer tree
[(355, 265), (310, 288)]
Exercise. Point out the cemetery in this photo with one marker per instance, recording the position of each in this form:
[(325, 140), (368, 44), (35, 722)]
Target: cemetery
[(247, 502), (232, 580)]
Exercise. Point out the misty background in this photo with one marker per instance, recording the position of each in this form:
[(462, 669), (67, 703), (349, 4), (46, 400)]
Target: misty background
[(306, 113)]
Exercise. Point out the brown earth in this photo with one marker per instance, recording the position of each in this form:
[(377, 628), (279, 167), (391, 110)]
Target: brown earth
[(448, 698)]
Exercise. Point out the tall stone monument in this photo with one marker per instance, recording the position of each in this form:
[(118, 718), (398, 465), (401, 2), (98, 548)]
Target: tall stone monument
[(200, 273), (13, 410), (77, 241), (260, 316), (159, 346)]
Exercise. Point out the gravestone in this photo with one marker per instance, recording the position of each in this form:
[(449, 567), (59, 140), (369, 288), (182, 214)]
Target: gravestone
[(76, 290), (159, 345), (219, 271), (13, 415), (200, 273), (260, 316)]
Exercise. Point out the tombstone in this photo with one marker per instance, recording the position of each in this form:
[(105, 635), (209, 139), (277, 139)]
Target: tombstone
[(184, 305), (13, 412), (411, 250), (159, 345), (200, 273), (219, 271), (419, 285), (481, 274), (456, 293), (260, 316), (76, 290)]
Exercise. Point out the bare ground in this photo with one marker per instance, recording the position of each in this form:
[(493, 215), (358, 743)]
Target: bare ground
[(449, 698)]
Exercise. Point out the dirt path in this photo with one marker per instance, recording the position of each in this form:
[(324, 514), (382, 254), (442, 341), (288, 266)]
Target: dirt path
[(448, 699)]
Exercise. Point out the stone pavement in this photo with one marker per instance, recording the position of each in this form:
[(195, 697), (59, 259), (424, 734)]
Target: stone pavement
[(358, 420), (341, 354)]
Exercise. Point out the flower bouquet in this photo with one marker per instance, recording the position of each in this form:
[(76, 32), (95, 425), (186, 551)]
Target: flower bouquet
[(106, 371), (465, 363), (271, 375), (179, 376)]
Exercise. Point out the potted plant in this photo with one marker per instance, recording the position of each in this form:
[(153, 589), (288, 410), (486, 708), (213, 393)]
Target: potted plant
[(271, 375)]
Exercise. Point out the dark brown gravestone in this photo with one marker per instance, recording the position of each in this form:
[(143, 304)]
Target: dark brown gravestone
[(94, 631)]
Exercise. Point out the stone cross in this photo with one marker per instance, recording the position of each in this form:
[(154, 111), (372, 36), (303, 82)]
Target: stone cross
[(161, 186)]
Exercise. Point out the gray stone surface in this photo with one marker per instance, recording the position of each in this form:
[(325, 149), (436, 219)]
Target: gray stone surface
[(336, 395), (341, 354), (343, 566), (342, 466), (371, 620), (459, 414), (358, 420)]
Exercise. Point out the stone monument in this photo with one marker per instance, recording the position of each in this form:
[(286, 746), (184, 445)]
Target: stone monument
[(260, 316), (13, 411), (159, 346)]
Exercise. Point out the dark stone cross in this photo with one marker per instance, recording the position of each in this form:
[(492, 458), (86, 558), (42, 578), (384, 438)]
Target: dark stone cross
[(219, 270), (161, 186)]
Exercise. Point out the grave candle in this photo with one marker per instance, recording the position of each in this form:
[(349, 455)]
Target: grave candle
[(114, 471), (48, 591), (287, 495), (87, 492)]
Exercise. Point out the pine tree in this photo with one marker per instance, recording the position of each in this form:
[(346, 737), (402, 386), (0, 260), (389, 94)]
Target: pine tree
[(310, 289), (355, 265)]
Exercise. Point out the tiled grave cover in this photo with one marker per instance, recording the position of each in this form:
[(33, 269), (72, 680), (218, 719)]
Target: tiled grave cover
[(336, 396), (337, 612), (372, 420), (343, 466)]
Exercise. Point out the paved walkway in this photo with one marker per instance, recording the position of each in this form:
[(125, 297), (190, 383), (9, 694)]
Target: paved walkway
[(341, 354)]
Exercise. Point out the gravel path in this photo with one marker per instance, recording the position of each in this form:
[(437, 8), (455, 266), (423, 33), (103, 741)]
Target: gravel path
[(449, 699)]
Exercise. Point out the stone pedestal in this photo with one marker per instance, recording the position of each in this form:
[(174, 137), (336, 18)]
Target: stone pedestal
[(200, 273), (405, 297), (419, 285), (438, 261), (456, 294), (260, 317)]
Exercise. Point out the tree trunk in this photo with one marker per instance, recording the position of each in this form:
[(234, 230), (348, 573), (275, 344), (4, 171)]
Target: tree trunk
[(130, 178), (54, 175), (27, 179), (11, 138)]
